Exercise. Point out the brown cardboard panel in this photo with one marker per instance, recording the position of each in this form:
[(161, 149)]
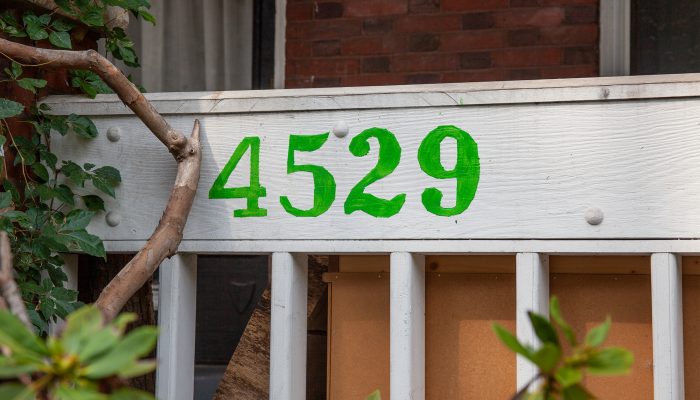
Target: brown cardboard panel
[(600, 265), (364, 264), (587, 298), (470, 264), (691, 265), (358, 336), (691, 327), (464, 359)]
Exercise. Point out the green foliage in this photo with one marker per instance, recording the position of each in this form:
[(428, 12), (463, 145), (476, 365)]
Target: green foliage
[(562, 375), (375, 396), (47, 208), (78, 364)]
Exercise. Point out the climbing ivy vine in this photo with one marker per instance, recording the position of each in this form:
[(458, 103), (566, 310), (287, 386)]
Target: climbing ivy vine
[(46, 204)]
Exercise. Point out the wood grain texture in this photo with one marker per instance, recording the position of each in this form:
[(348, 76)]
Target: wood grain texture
[(542, 167)]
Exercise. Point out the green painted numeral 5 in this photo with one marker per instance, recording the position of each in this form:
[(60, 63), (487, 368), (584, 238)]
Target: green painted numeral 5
[(466, 170), (389, 158), (253, 192), (324, 183)]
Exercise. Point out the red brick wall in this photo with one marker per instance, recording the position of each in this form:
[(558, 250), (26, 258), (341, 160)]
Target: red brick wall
[(380, 42)]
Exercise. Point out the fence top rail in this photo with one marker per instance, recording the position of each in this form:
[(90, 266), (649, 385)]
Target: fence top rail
[(387, 97)]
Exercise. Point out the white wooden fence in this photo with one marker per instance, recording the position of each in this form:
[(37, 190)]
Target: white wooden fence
[(584, 166)]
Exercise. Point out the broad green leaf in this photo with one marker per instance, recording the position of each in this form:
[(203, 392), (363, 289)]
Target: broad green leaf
[(130, 394), (93, 17), (512, 342), (9, 108), (14, 71), (18, 338), (122, 321), (15, 391), (10, 369), (65, 392), (577, 392), (31, 84), (547, 357), (597, 335), (60, 39), (64, 194), (96, 345), (94, 203), (136, 344), (74, 172), (80, 326), (376, 395), (137, 369), (567, 376), (610, 361), (543, 329)]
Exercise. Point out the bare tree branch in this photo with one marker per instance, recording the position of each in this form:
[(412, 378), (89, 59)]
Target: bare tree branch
[(166, 238), (8, 287)]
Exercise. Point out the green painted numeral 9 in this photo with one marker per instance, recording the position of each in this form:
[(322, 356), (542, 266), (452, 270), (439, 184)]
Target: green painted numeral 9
[(324, 183), (466, 170), (389, 157), (253, 192)]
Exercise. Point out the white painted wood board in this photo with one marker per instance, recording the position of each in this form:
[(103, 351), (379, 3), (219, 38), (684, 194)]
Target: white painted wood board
[(544, 161)]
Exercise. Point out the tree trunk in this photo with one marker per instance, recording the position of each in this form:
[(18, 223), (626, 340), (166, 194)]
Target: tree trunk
[(94, 274)]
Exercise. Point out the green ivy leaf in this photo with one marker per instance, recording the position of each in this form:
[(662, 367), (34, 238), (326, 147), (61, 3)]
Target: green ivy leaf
[(62, 25), (74, 172), (9, 108), (94, 202), (93, 17), (84, 242), (77, 220), (64, 194), (36, 31), (14, 71), (106, 179), (597, 335), (5, 199), (40, 171), (31, 84), (60, 39), (82, 126)]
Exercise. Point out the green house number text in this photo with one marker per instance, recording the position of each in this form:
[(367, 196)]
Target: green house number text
[(465, 173)]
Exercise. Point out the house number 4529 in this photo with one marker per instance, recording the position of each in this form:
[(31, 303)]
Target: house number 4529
[(465, 173)]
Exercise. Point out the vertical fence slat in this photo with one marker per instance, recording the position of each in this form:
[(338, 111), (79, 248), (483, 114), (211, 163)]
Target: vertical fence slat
[(667, 325), (288, 326), (176, 320), (407, 326), (532, 294)]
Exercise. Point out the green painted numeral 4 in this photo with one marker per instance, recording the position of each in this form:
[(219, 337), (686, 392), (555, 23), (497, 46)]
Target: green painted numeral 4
[(253, 192)]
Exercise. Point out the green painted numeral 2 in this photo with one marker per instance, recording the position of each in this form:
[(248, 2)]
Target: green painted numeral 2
[(389, 157), (251, 193), (466, 172)]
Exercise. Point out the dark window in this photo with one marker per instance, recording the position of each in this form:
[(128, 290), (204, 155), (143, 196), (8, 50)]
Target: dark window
[(665, 37)]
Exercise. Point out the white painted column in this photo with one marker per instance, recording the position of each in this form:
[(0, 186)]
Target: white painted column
[(71, 269), (176, 321), (667, 324), (614, 43), (407, 326), (532, 294), (288, 326)]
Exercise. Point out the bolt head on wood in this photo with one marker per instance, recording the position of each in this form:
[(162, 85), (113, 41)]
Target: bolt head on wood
[(594, 216), (113, 134), (113, 219), (341, 129)]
